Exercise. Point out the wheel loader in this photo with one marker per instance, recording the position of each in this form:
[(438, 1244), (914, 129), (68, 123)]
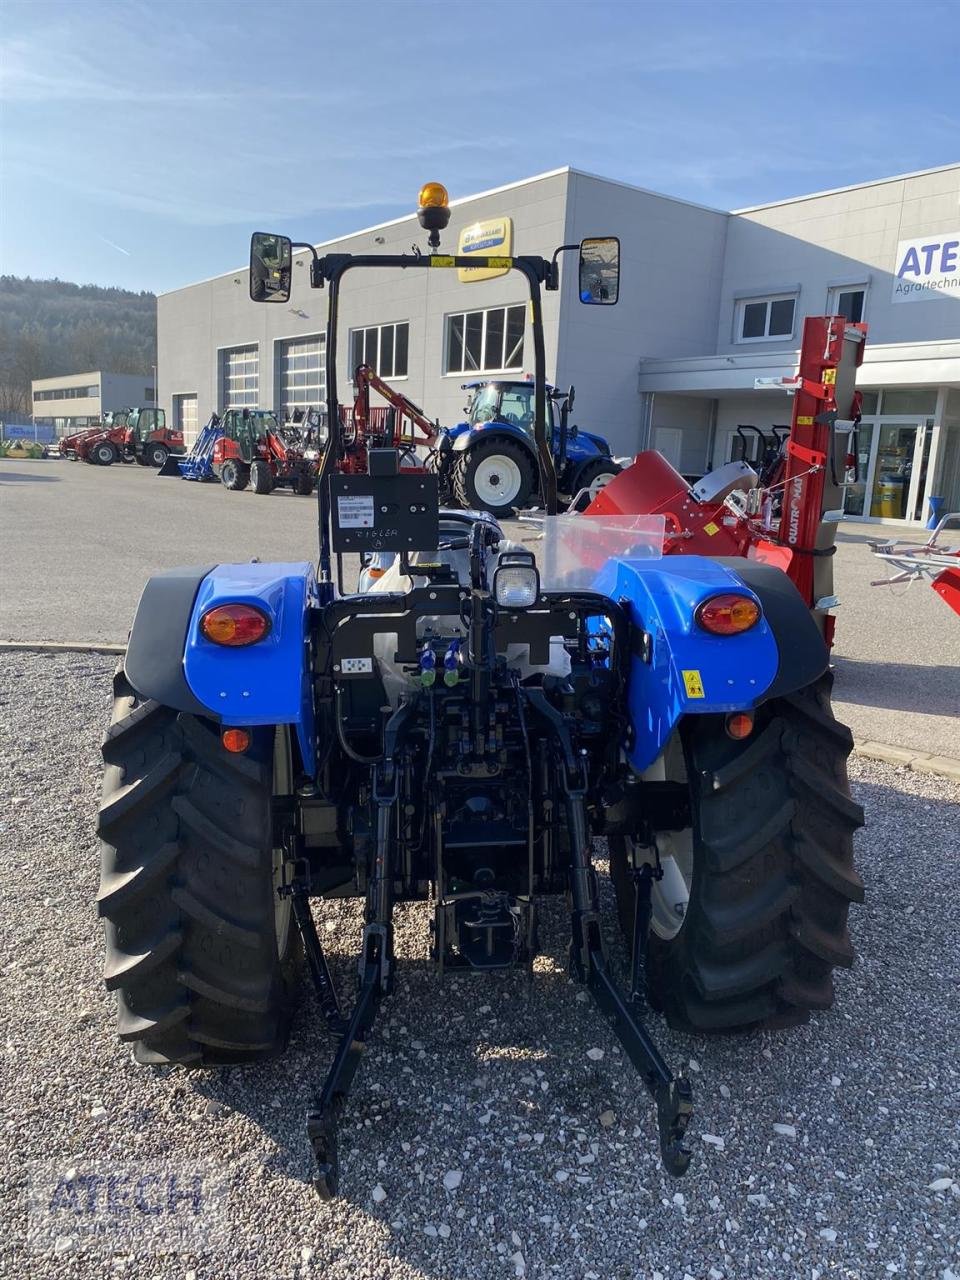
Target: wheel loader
[(464, 732)]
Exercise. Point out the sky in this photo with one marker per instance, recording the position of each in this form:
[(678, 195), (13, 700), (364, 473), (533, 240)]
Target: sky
[(141, 141)]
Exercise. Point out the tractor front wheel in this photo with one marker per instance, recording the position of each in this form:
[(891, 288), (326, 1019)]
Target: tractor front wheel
[(750, 917), (304, 482), (156, 454), (261, 477), (201, 949), (496, 476), (234, 475), (104, 454)]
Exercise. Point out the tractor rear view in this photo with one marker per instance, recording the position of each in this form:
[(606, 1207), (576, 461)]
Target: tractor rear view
[(463, 733)]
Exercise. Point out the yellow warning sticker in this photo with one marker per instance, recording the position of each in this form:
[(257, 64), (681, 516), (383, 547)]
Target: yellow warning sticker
[(693, 684), (711, 528), (829, 377), (438, 260), (500, 262), (804, 420)]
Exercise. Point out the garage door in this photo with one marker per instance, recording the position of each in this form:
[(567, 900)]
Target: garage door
[(185, 417), (239, 377), (300, 374)]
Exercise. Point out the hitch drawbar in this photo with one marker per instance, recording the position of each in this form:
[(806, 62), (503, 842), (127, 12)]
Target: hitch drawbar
[(588, 964)]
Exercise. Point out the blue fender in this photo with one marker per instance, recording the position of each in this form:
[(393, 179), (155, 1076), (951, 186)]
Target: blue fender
[(265, 683), (689, 671), (463, 436)]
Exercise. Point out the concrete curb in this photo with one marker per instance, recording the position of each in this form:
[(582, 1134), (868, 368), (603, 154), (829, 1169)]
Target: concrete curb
[(886, 753), (59, 646), (908, 758)]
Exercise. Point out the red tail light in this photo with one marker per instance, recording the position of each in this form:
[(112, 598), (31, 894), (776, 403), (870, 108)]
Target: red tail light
[(235, 740), (234, 624), (727, 615)]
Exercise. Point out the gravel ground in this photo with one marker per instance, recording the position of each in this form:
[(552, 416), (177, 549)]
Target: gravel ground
[(555, 1145), (96, 534)]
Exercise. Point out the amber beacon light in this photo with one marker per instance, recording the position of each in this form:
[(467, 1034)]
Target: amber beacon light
[(434, 211)]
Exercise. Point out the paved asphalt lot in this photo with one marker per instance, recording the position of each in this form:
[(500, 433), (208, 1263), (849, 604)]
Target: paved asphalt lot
[(79, 542), (560, 1176)]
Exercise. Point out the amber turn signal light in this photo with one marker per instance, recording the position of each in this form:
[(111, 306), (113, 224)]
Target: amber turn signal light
[(727, 615), (234, 624), (235, 740)]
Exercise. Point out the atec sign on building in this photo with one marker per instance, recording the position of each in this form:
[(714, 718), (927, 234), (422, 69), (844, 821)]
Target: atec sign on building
[(928, 267)]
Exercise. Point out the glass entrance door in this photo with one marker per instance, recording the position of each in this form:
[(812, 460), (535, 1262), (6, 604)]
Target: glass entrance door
[(889, 485), (855, 493)]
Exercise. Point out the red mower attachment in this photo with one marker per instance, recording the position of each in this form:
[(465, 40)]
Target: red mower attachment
[(789, 520)]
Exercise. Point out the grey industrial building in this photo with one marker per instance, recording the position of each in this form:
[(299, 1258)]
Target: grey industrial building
[(79, 399), (710, 301)]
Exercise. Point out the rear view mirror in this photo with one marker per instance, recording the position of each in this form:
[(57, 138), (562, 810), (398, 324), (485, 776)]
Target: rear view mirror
[(270, 267), (600, 271)]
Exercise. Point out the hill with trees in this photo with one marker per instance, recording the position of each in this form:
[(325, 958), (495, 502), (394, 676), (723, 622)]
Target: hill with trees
[(53, 327)]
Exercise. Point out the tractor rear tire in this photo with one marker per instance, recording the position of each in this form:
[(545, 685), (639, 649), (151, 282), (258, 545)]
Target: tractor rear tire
[(234, 475), (261, 477), (772, 873), (304, 483), (202, 960), (477, 480), (156, 454), (140, 460)]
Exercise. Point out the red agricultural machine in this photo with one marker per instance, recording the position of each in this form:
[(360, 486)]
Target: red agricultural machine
[(255, 450), (399, 424), (787, 515), (138, 435)]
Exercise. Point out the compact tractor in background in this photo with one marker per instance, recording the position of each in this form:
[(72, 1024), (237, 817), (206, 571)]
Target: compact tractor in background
[(138, 435), (251, 448), (461, 733)]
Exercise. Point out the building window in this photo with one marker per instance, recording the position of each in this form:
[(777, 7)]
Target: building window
[(759, 319), (485, 341), (68, 393), (240, 377), (847, 301), (300, 373), (384, 347), (148, 395)]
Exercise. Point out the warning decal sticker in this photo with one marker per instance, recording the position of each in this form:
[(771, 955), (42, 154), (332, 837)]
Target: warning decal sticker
[(693, 684)]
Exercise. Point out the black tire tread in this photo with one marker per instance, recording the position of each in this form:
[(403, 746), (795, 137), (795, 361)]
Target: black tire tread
[(186, 890), (773, 872), (461, 480)]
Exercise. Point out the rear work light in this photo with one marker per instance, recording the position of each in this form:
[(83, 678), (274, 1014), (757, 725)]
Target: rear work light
[(234, 624), (727, 615)]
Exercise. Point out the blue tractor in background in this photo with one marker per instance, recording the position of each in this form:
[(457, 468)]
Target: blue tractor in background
[(461, 733), (489, 461)]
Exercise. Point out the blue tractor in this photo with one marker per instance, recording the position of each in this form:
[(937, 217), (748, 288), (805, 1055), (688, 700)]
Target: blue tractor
[(489, 461), (466, 732)]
